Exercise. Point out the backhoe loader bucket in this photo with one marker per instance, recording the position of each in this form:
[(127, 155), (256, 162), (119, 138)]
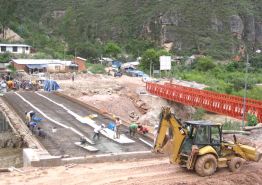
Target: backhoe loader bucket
[(251, 153)]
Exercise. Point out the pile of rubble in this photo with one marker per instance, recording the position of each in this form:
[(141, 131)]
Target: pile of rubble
[(140, 104)]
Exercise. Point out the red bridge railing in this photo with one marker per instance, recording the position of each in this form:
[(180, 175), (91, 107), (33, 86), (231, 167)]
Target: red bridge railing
[(211, 101)]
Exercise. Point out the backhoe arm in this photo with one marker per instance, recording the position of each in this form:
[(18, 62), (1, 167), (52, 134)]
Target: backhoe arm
[(168, 120)]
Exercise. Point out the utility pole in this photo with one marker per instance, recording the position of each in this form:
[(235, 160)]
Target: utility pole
[(150, 69), (245, 93), (245, 90)]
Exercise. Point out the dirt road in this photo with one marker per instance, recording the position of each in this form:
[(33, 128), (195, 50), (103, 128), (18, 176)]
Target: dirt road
[(153, 171)]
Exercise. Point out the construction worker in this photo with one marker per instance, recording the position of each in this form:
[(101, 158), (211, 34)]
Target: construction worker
[(83, 140), (133, 129), (41, 132), (117, 126), (29, 116), (97, 131), (10, 84), (142, 129), (32, 126)]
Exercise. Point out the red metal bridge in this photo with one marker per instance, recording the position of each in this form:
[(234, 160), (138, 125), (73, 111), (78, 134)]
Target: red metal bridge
[(211, 101)]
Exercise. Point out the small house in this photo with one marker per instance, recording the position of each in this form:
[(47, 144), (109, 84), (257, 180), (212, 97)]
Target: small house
[(43, 65), (15, 48), (81, 63)]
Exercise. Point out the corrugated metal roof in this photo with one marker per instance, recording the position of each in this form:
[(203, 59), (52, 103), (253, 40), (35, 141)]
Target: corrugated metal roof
[(18, 45), (41, 61)]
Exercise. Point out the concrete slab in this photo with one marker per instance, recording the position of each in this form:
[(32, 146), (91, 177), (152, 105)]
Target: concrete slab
[(61, 142), (87, 147), (106, 132), (54, 121)]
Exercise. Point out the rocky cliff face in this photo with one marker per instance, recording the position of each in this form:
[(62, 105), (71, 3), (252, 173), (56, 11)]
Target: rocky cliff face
[(217, 28), (245, 29)]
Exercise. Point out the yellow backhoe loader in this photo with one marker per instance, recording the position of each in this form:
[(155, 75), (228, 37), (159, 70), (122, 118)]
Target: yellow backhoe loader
[(199, 146)]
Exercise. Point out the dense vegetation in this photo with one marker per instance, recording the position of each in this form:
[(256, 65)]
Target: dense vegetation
[(127, 29), (226, 78), (85, 26)]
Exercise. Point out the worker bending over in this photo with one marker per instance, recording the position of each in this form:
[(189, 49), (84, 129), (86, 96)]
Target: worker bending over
[(142, 129), (29, 116), (133, 129), (97, 131)]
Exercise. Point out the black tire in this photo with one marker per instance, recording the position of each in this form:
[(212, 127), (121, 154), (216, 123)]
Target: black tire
[(206, 165), (235, 164)]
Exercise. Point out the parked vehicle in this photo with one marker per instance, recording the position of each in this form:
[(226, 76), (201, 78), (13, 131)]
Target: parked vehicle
[(129, 70), (137, 73), (116, 64)]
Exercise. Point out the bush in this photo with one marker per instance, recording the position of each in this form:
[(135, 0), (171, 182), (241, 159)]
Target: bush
[(233, 66), (251, 120), (4, 58), (96, 68), (204, 64), (231, 125)]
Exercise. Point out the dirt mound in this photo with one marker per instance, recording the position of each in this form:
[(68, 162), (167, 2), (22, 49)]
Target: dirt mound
[(253, 176)]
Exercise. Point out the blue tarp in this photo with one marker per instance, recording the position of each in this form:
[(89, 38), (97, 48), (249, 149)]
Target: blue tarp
[(51, 85), (111, 126), (36, 66)]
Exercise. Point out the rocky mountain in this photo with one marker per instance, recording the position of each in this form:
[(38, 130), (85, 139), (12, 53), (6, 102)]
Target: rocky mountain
[(218, 28)]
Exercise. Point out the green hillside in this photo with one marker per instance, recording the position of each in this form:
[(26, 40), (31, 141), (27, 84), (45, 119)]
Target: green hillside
[(216, 28)]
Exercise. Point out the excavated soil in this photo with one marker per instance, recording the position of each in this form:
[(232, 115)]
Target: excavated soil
[(146, 172)]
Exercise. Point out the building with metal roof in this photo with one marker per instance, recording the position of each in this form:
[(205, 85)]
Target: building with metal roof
[(43, 65), (15, 48)]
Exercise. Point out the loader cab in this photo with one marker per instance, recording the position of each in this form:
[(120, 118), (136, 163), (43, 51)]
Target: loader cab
[(202, 133)]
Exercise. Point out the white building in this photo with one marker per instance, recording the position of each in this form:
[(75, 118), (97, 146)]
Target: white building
[(15, 48)]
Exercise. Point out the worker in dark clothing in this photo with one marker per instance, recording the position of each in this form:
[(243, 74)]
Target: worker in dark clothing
[(41, 132), (83, 140)]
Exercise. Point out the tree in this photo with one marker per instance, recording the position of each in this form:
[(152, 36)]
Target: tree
[(7, 9), (149, 56), (136, 46), (5, 58), (152, 56), (251, 119), (112, 49)]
